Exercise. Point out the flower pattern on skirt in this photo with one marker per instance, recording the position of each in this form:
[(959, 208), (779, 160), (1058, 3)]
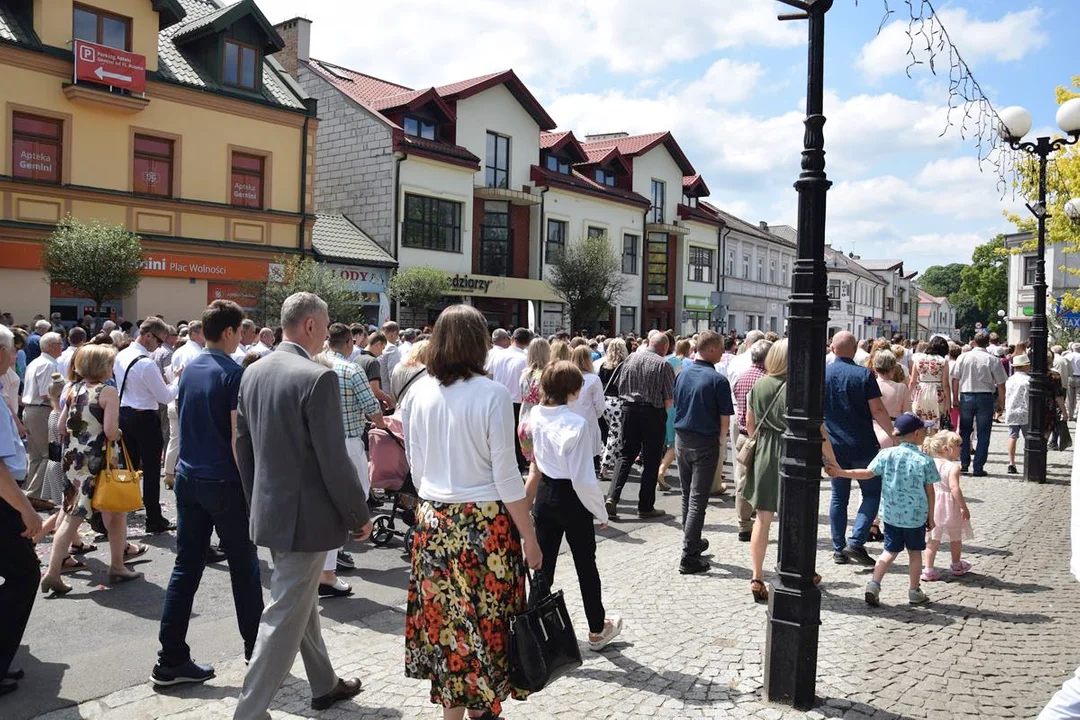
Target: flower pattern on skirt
[(84, 456)]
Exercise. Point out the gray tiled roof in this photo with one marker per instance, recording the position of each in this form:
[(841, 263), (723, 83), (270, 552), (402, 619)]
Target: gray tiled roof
[(173, 65), (10, 27), (191, 25), (334, 236), (745, 227)]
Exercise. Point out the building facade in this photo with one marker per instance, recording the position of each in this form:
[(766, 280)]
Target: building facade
[(856, 297), (897, 299), (936, 317), (1061, 279), (211, 163)]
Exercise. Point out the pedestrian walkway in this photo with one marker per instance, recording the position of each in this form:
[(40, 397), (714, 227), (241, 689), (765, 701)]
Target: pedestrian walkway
[(996, 643)]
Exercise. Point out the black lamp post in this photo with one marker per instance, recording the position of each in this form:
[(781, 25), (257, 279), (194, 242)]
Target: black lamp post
[(1015, 124), (795, 606)]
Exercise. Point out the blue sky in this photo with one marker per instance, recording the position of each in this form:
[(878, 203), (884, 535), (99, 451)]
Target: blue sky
[(729, 80)]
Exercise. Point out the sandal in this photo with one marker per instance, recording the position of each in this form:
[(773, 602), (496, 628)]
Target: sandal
[(930, 575), (71, 565), (140, 549), (82, 548), (759, 590), (817, 579), (960, 568)]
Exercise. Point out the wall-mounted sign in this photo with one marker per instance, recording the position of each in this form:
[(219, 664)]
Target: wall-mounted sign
[(501, 287), (362, 279), (109, 66)]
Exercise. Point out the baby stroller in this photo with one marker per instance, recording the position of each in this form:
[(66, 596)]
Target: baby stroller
[(388, 470)]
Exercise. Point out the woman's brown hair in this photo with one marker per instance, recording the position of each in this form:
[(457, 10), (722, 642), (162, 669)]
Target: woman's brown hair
[(581, 357), (459, 345), (560, 380)]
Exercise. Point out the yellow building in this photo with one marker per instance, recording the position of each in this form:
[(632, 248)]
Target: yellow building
[(212, 164)]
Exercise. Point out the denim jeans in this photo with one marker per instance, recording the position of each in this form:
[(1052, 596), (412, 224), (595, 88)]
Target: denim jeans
[(697, 456), (202, 505), (838, 515), (976, 409)]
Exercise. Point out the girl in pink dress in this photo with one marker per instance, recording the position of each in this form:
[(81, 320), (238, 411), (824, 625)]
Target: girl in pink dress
[(952, 520)]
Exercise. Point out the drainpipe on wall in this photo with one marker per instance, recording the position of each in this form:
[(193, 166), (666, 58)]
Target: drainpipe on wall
[(399, 157), (310, 104), (541, 234), (721, 273)]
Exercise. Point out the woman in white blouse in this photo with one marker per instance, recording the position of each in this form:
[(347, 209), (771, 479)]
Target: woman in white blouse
[(468, 575), (590, 401), (567, 494)]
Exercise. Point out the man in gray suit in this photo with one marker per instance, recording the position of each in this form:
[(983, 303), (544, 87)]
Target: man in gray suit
[(304, 497)]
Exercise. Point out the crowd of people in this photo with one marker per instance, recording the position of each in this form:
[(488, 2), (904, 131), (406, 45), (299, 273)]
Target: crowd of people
[(260, 433)]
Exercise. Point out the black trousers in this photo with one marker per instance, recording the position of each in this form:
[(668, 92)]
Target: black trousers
[(19, 568), (643, 431), (557, 512), (142, 434), (523, 464)]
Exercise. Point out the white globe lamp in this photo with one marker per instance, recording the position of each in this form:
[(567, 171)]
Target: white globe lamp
[(1015, 122)]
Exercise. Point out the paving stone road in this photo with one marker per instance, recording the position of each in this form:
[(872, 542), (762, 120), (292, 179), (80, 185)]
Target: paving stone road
[(996, 643)]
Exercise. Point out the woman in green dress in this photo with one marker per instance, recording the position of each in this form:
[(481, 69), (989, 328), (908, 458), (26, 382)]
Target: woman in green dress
[(766, 411)]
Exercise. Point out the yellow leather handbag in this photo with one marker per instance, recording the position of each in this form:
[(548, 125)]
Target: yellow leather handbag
[(117, 490)]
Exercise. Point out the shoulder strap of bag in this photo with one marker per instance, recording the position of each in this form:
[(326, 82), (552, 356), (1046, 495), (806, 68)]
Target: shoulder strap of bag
[(409, 382), (615, 374), (127, 373), (761, 420)]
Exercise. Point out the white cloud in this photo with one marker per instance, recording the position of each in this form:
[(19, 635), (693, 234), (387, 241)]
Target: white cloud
[(550, 44), (1007, 39)]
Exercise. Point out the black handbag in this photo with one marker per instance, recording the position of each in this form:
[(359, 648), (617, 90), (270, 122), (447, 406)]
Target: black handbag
[(542, 642)]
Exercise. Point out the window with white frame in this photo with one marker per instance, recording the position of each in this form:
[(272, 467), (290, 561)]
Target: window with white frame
[(729, 268), (700, 265), (1029, 270), (746, 265)]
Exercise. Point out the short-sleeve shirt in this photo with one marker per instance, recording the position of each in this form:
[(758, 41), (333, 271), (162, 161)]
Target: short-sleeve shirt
[(370, 365), (905, 472), (849, 388), (978, 371), (702, 397), (209, 389), (646, 379)]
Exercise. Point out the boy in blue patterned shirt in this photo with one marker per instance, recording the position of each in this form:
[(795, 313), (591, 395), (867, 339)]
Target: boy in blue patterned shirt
[(907, 494)]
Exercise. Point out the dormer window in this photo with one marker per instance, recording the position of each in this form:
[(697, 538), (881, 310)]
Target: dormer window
[(605, 177), (241, 65), (103, 28), (690, 201), (558, 164), (419, 128)]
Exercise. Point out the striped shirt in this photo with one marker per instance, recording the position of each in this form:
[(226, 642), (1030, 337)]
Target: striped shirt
[(742, 391), (357, 399), (646, 379)]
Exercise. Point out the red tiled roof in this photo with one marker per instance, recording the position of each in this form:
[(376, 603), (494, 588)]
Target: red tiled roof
[(634, 145), (551, 139), (468, 88), (426, 147), (360, 87), (694, 185), (565, 143), (701, 213), (578, 182)]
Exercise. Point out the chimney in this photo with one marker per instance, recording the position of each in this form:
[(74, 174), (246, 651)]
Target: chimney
[(297, 36), (763, 225), (606, 136)]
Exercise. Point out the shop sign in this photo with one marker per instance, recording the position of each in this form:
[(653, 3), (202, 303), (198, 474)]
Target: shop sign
[(239, 294), (501, 287), (109, 66), (697, 302), (1028, 311), (362, 279), (161, 264)]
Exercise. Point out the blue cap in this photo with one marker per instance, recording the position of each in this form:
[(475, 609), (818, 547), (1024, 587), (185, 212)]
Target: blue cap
[(908, 423)]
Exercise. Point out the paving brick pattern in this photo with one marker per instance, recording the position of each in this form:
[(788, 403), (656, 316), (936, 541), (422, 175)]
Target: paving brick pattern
[(996, 643)]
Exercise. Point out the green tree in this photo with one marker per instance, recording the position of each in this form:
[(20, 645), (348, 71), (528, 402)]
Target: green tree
[(986, 279), (1062, 184), (942, 280), (588, 277), (101, 262), (421, 288), (295, 274)]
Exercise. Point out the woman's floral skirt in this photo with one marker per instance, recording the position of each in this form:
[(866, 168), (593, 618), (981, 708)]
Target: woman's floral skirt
[(467, 583)]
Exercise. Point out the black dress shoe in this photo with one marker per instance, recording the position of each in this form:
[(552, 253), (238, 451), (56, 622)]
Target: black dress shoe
[(744, 535), (214, 555), (156, 527), (694, 565), (15, 674), (8, 686), (344, 690), (979, 473), (963, 468)]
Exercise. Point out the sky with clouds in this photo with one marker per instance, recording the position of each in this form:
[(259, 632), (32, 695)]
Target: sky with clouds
[(729, 80)]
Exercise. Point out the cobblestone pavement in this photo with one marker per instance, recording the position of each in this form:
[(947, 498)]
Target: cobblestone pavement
[(996, 643)]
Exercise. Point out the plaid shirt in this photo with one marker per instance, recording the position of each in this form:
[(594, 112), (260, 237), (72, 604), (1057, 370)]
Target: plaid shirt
[(742, 391), (357, 400)]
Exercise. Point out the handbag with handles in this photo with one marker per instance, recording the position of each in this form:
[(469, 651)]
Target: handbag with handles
[(542, 642), (117, 490), (746, 455)]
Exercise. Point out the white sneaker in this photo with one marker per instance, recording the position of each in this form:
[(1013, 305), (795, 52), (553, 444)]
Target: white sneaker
[(917, 597), (612, 628)]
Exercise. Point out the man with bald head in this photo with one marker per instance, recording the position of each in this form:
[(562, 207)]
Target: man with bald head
[(266, 342), (852, 405)]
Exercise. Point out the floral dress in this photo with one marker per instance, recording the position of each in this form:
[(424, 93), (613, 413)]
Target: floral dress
[(530, 398), (85, 455), (928, 401)]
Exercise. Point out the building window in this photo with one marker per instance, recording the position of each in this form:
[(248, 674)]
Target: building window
[(604, 177), (627, 319), (760, 269), (432, 224), (905, 309), (558, 164), (658, 264), (772, 271), (556, 239), (690, 201), (247, 180), (103, 28), (746, 266), (153, 169), (701, 265), (496, 239), (731, 320), (1029, 270), (36, 148), (241, 62), (657, 209), (551, 320), (729, 264), (419, 128), (784, 273), (497, 164), (629, 254), (889, 304), (596, 232), (772, 323)]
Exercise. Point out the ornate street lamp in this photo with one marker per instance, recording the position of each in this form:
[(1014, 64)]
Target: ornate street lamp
[(795, 605), (1015, 124)]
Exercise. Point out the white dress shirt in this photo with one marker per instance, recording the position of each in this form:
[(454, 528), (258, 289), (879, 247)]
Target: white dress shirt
[(561, 449), (460, 441), (240, 354), (262, 349), (145, 388), (182, 356), (388, 361), (505, 367), (63, 363), (590, 405), (37, 378), (9, 389)]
